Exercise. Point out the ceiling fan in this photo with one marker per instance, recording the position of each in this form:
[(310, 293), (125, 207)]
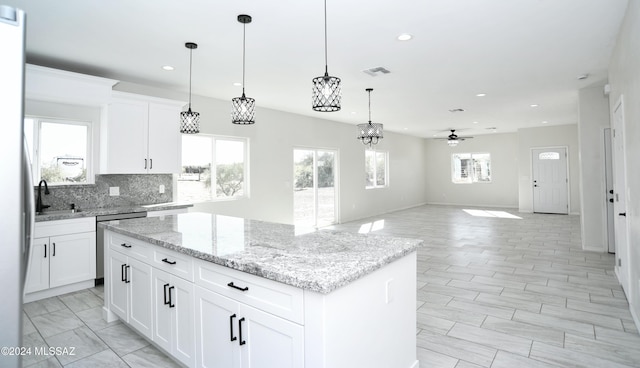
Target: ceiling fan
[(453, 139)]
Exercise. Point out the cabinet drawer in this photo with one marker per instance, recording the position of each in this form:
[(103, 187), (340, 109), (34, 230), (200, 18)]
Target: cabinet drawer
[(63, 227), (270, 296), (175, 263), (129, 246)]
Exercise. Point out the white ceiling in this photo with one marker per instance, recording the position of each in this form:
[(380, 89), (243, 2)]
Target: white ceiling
[(517, 52)]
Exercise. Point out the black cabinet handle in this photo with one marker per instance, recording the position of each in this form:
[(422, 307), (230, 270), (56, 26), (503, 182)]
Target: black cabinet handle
[(620, 214), (126, 275), (45, 251), (122, 277), (145, 163), (165, 294), (53, 254), (125, 245), (171, 305), (169, 262), (246, 288), (150, 163), (231, 337), (242, 342)]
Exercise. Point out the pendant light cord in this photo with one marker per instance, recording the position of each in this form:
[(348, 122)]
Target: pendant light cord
[(244, 36), (326, 68), (190, 66), (369, 107)]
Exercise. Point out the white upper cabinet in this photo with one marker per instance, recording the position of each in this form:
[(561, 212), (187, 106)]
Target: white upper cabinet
[(139, 135)]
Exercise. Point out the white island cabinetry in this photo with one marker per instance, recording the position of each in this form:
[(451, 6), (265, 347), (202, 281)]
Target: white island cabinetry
[(266, 297)]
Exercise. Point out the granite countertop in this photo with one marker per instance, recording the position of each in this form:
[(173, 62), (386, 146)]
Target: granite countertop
[(89, 212), (316, 260)]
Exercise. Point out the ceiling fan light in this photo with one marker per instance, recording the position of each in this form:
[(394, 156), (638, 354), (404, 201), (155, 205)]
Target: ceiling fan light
[(453, 142)]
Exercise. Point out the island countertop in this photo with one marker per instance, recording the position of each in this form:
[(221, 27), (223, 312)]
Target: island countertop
[(316, 260)]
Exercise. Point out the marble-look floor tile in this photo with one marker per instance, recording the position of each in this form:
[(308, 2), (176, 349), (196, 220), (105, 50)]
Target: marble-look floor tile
[(121, 339), (27, 326), (43, 306), (83, 341), (81, 300), (494, 339), (34, 342), (94, 320), (149, 357), (104, 359), (51, 362), (568, 358), (56, 322)]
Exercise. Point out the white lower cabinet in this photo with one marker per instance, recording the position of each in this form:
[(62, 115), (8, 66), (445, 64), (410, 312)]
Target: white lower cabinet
[(233, 334), (174, 312), (62, 254), (130, 291)]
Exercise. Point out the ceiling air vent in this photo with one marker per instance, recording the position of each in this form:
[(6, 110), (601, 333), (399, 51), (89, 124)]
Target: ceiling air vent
[(456, 110), (379, 70)]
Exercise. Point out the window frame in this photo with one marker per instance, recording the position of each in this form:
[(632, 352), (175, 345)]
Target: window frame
[(246, 172), (36, 160), (473, 177), (375, 168)]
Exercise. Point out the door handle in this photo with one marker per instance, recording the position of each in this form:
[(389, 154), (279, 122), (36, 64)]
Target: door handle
[(145, 163), (623, 214), (611, 200), (242, 342), (53, 254), (122, 277), (165, 294), (171, 305), (231, 337), (165, 260), (45, 251), (611, 191), (126, 276), (150, 163)]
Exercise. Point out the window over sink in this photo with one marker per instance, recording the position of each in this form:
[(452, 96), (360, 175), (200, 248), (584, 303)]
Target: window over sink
[(60, 150)]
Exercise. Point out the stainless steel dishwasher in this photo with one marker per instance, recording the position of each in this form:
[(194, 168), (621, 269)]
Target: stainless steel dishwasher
[(100, 239)]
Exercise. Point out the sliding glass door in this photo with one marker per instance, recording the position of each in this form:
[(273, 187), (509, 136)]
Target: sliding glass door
[(314, 187)]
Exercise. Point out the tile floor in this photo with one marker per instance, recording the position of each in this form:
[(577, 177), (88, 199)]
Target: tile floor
[(496, 288)]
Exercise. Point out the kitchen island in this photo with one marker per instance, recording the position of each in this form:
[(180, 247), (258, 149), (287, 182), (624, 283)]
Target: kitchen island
[(219, 291)]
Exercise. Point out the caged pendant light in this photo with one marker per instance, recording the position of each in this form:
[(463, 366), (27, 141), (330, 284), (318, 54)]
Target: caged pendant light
[(243, 108), (190, 120), (370, 133), (326, 96)]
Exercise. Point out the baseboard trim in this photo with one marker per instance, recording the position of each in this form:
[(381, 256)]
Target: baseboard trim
[(470, 205)]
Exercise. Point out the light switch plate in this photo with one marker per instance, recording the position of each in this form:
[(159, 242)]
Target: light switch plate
[(114, 191)]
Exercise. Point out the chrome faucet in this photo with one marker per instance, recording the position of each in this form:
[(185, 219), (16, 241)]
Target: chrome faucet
[(39, 205)]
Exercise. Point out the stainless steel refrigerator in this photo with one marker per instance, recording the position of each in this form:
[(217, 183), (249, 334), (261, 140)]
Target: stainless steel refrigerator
[(16, 187)]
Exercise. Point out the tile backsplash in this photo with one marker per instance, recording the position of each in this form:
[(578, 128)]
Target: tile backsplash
[(134, 189)]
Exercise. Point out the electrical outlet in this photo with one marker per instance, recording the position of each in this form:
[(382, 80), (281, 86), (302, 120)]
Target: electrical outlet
[(161, 189), (389, 291), (114, 191)]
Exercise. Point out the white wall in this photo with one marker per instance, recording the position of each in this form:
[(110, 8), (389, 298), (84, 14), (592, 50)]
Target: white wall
[(272, 140), (624, 78), (551, 136), (593, 119), (501, 192)]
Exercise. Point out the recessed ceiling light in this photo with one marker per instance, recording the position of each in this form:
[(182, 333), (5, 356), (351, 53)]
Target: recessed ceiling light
[(475, 122), (237, 84), (545, 122), (534, 105), (167, 67), (405, 37), (481, 94), (353, 112), (405, 129)]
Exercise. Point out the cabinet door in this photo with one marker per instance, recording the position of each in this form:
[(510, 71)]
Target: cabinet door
[(126, 133), (217, 343), (73, 258), (117, 284), (140, 297), (161, 309), (270, 341), (184, 335), (38, 269), (164, 139)]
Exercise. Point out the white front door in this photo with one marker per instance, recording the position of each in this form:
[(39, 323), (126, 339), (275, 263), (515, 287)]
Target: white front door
[(550, 184), (620, 198)]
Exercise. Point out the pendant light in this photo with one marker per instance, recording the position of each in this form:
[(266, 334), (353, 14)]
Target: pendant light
[(190, 120), (326, 89), (370, 133), (243, 108)]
